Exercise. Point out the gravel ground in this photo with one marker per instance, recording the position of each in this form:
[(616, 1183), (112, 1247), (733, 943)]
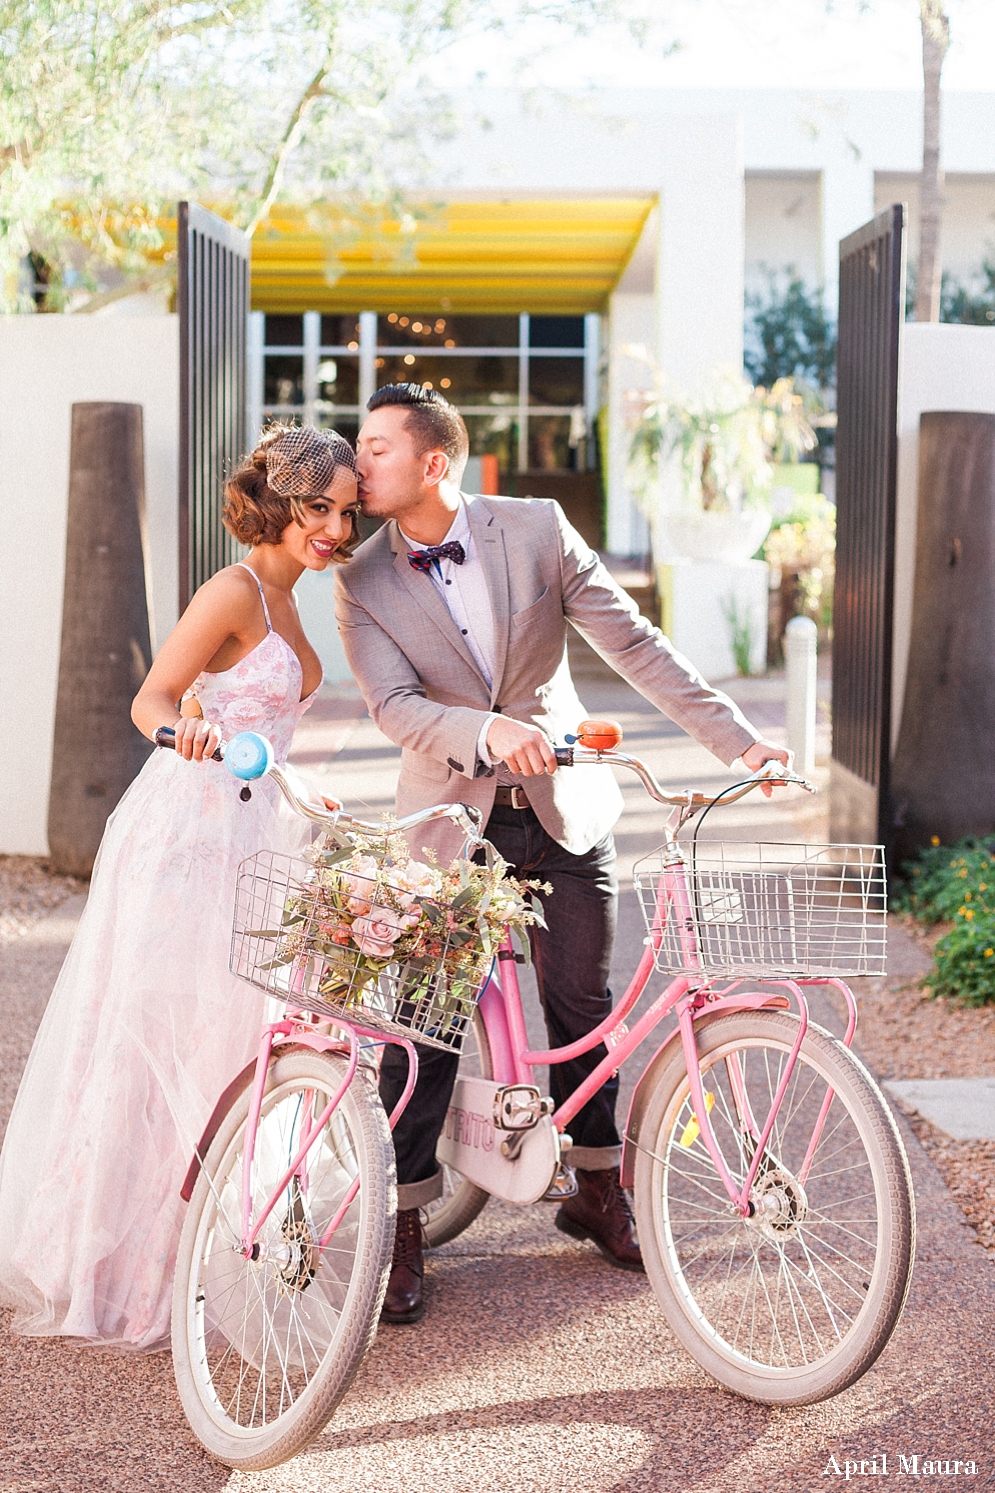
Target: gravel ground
[(904, 1032), (29, 890)]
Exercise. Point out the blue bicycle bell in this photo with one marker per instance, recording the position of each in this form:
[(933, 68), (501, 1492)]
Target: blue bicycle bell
[(248, 756)]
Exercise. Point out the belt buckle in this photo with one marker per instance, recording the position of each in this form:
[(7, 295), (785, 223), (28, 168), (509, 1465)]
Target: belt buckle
[(515, 791)]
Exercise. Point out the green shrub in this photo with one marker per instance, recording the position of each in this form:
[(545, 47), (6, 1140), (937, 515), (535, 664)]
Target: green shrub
[(944, 878), (956, 883), (964, 962)]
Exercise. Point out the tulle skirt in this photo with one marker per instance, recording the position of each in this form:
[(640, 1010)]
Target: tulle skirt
[(144, 1028)]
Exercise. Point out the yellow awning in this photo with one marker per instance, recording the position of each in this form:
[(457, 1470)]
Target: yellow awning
[(561, 256)]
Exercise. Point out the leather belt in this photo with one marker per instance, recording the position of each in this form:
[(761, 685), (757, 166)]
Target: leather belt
[(512, 797)]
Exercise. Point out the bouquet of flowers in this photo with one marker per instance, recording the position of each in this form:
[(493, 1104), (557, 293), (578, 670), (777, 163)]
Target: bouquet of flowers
[(367, 916)]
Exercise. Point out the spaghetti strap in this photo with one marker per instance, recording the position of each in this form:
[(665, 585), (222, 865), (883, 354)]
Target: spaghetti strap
[(262, 593)]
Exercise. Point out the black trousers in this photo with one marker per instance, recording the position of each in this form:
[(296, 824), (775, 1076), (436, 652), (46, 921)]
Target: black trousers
[(572, 958)]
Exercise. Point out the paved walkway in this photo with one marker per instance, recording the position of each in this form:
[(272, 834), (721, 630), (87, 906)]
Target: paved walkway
[(538, 1368)]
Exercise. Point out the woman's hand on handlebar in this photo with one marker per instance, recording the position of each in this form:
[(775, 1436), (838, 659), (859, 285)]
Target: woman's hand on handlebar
[(196, 739), (762, 752)]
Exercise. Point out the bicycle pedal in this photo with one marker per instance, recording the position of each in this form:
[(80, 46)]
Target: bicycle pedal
[(563, 1185)]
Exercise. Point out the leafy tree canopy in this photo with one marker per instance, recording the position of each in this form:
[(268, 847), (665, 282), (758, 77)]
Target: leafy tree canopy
[(789, 335), (111, 109)]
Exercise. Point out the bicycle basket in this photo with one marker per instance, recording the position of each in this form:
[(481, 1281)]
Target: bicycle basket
[(293, 939), (769, 911)]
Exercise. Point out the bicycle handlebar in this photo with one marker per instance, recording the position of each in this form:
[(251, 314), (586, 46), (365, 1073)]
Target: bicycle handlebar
[(249, 756), (575, 756)]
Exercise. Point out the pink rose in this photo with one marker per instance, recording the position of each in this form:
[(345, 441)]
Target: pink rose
[(376, 933)]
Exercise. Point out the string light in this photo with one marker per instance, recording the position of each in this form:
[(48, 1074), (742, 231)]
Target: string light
[(393, 316), (416, 326), (409, 358), (445, 383), (450, 342)]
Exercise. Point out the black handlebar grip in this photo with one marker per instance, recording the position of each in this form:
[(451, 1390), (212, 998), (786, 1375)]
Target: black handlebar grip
[(564, 756), (165, 736)]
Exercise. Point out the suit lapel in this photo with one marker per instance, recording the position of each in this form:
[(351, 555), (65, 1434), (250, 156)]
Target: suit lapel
[(425, 594), (488, 536)]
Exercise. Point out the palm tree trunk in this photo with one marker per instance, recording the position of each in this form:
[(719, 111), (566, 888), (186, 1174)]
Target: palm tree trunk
[(935, 41)]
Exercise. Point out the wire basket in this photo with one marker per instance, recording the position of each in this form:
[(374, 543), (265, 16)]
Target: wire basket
[(769, 911), (285, 941)]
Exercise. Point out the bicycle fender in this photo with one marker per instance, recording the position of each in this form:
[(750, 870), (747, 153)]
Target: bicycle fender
[(647, 1079), (316, 1040)]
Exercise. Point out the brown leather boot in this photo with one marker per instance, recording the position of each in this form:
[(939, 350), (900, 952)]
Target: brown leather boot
[(403, 1304), (602, 1213)]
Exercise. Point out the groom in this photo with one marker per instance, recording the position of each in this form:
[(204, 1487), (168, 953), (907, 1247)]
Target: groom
[(454, 620)]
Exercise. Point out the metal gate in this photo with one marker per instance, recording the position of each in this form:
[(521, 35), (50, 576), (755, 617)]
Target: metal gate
[(213, 303), (871, 312)]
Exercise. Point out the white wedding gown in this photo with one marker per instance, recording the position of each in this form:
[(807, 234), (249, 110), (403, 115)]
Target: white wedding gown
[(143, 1030)]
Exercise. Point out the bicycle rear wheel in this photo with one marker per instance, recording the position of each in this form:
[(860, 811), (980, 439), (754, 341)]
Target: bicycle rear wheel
[(264, 1349), (461, 1201), (794, 1304)]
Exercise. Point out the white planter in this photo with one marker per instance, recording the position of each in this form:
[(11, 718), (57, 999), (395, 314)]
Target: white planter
[(721, 538)]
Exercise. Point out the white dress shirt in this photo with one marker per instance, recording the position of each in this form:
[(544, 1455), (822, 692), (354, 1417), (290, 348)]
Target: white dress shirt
[(463, 588)]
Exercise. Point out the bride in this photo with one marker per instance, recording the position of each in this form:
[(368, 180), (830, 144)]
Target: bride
[(145, 1026)]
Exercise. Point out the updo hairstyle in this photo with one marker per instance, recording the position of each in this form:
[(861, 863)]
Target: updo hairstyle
[(267, 491)]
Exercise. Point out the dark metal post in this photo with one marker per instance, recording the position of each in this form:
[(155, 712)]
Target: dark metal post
[(105, 651), (213, 305), (871, 313)]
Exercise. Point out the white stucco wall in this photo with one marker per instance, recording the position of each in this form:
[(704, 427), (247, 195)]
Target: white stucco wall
[(48, 363), (942, 368)]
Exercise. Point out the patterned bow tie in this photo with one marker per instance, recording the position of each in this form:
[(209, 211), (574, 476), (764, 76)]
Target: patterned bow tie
[(422, 559)]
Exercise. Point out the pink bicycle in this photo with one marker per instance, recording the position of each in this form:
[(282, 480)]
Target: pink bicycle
[(772, 1191)]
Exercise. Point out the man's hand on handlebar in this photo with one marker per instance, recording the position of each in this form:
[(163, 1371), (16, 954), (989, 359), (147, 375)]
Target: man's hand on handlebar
[(196, 739), (525, 749), (762, 752)]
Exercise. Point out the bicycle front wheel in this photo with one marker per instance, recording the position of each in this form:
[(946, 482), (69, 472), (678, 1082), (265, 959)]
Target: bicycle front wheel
[(793, 1304), (264, 1348)]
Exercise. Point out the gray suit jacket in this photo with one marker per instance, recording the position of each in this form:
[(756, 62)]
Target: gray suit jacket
[(425, 692)]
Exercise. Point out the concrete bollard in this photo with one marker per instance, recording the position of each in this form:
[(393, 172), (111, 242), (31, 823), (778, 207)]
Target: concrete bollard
[(801, 641)]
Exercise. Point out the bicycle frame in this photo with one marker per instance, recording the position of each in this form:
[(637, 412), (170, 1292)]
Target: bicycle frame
[(690, 996)]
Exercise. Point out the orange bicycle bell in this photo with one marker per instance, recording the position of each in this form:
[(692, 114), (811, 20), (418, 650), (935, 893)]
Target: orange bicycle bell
[(599, 736)]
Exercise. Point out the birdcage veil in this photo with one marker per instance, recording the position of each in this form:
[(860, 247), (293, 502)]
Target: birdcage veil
[(302, 461)]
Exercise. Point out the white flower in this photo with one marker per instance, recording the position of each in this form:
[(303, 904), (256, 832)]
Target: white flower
[(417, 878), (361, 881)]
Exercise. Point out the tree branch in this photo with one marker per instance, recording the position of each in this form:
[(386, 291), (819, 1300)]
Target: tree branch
[(289, 142), (161, 274)]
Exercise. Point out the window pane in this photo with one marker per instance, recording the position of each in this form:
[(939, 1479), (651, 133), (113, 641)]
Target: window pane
[(446, 331), (338, 380), (462, 380), (497, 434), (283, 380), (556, 331), (284, 331), (549, 443), (556, 381), (339, 331)]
